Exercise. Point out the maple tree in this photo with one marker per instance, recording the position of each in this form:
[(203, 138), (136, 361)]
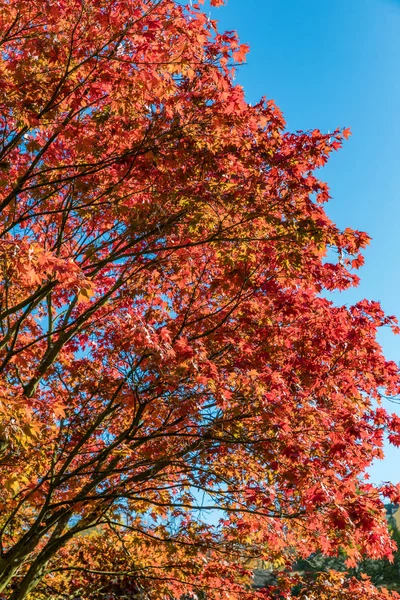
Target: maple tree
[(166, 350)]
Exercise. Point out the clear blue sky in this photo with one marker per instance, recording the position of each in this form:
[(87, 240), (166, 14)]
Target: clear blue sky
[(328, 64)]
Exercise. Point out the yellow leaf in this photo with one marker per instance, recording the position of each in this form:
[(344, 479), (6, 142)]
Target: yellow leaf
[(85, 294), (12, 484), (30, 430)]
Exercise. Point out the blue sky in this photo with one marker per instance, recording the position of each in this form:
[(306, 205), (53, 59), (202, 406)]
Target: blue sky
[(328, 64)]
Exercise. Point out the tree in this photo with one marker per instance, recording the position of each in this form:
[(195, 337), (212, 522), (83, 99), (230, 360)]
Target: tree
[(166, 350), (380, 572)]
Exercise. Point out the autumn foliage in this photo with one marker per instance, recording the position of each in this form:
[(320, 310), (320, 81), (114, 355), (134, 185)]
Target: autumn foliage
[(177, 395)]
